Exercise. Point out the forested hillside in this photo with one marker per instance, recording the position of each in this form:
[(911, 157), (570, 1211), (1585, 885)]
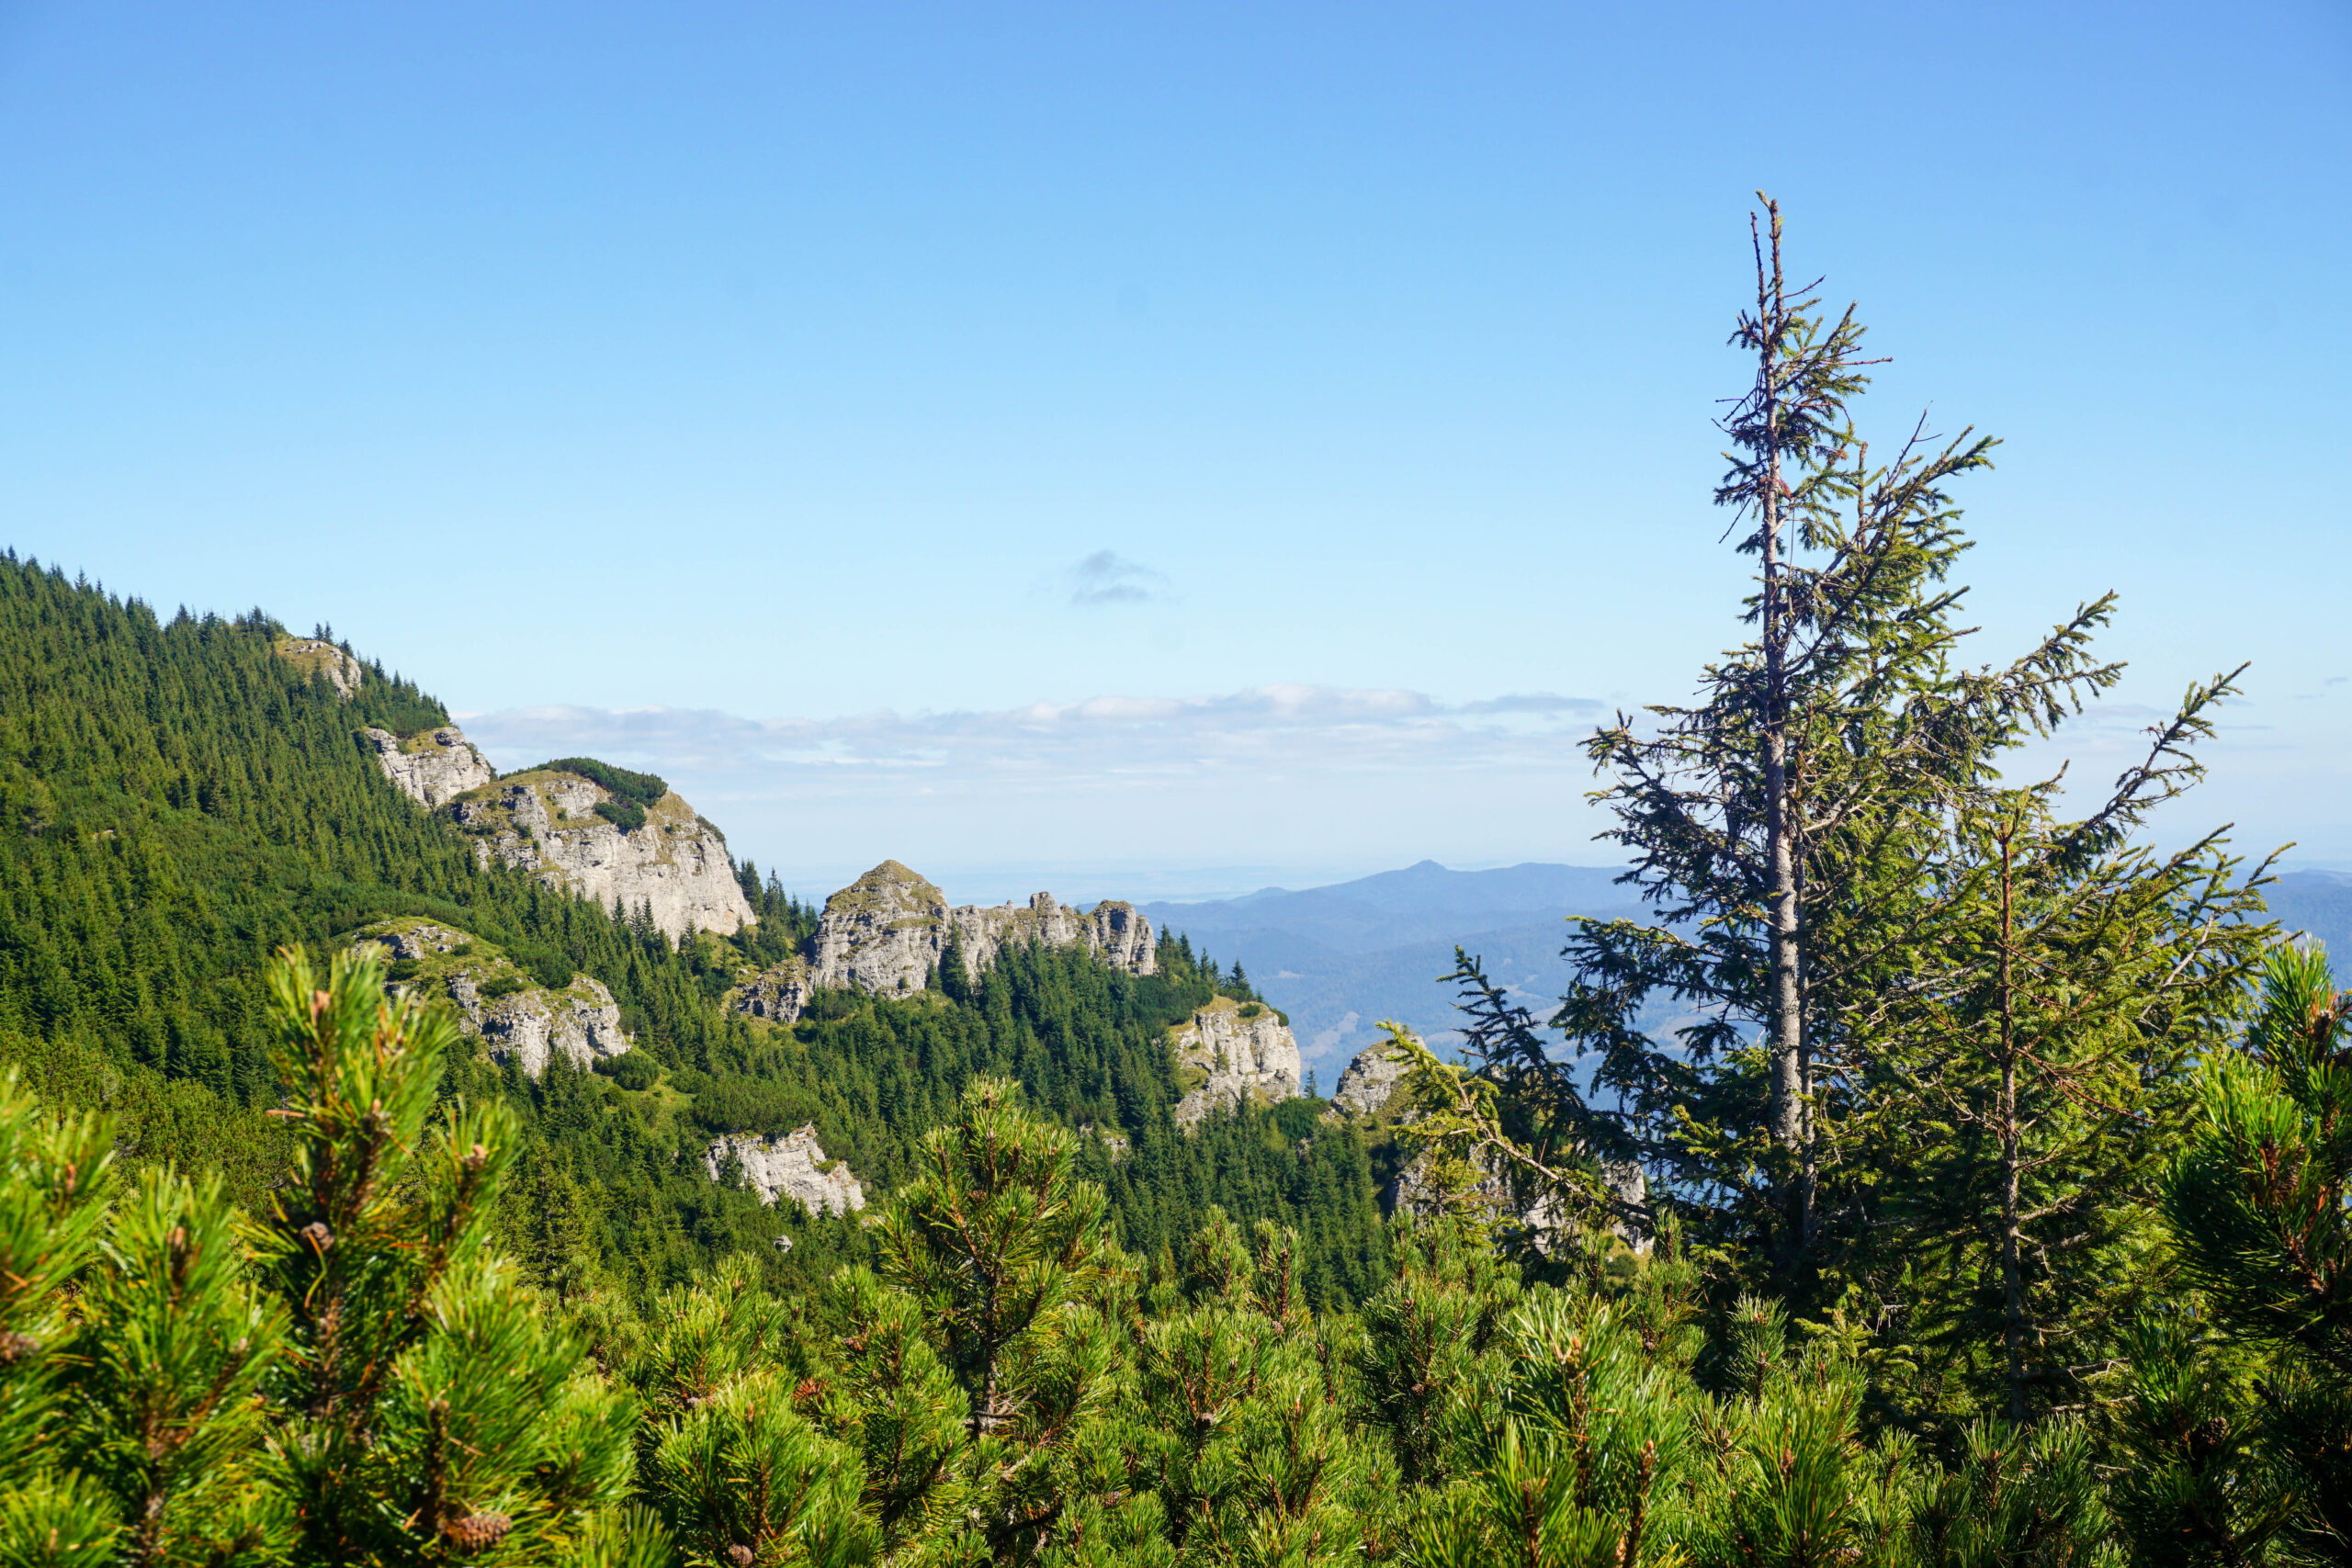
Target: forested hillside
[(1927, 1171), (179, 801)]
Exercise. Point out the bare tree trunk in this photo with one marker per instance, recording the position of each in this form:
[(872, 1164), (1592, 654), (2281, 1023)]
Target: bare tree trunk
[(1787, 1037)]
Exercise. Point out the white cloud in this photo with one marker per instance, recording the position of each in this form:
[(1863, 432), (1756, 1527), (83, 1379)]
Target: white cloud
[(1108, 577), (1102, 739)]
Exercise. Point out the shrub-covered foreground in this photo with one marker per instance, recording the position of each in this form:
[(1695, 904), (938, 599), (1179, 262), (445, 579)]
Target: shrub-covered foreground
[(355, 1376)]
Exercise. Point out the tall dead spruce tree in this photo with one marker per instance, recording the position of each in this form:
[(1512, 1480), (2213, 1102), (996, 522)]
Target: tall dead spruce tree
[(1783, 829)]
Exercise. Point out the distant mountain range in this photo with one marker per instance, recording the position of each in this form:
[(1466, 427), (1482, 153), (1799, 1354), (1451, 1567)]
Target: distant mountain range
[(1339, 959)]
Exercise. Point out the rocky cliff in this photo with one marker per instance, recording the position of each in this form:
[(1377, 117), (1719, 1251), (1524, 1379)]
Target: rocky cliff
[(1230, 1051), (888, 929), (779, 993), (432, 768), (498, 1002), (793, 1167), (1369, 1083), (324, 659), (546, 823)]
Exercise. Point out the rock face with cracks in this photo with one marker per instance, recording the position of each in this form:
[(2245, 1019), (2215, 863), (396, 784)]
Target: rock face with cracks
[(793, 1167), (547, 823), (431, 768), (1230, 1051), (890, 928), (779, 993), (1369, 1082), (527, 1024)]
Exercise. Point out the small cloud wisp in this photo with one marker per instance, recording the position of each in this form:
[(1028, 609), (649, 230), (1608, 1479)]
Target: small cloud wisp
[(1107, 577)]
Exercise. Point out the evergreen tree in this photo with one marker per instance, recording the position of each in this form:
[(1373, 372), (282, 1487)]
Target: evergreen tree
[(1795, 831), (2043, 1043), (1003, 1247), (419, 1372), (2257, 1205)]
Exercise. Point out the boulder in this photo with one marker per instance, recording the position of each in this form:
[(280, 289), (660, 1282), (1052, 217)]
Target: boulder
[(779, 993)]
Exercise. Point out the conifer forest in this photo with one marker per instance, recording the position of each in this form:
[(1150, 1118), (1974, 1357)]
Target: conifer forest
[(1940, 1173)]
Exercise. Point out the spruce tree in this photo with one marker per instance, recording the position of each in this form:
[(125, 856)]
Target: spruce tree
[(1782, 828), (2028, 1069)]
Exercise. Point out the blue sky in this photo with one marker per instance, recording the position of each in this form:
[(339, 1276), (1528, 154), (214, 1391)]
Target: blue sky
[(1162, 447)]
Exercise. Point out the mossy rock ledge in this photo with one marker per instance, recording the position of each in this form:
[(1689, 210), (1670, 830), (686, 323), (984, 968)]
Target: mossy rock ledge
[(497, 1001), (546, 823)]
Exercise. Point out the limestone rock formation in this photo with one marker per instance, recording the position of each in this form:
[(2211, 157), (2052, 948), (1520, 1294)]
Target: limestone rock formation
[(779, 993), (498, 1004), (1369, 1082), (546, 823), (793, 1167), (323, 660), (580, 1023), (432, 768), (1228, 1052), (888, 929)]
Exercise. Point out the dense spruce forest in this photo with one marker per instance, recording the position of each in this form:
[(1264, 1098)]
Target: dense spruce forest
[(1982, 1201), (181, 802)]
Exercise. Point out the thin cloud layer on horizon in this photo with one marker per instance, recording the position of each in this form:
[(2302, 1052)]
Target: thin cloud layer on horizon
[(1279, 775), (1286, 726)]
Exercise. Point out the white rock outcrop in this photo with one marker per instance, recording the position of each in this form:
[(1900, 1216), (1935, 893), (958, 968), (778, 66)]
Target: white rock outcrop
[(532, 1025), (546, 823), (1230, 1051), (432, 768), (888, 929), (779, 993), (793, 1167), (1369, 1082), (324, 659), (580, 1023)]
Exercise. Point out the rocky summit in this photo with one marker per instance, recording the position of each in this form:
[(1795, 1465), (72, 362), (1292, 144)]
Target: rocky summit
[(1228, 1053), (1369, 1083), (888, 930), (547, 823), (323, 660)]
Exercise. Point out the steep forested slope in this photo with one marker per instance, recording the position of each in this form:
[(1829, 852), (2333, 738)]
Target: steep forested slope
[(176, 800)]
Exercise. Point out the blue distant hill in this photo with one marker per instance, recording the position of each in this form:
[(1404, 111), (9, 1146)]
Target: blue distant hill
[(1339, 959)]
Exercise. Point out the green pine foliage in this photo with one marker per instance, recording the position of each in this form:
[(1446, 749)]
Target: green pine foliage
[(645, 789), (1933, 1202), (354, 1377), (179, 800)]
